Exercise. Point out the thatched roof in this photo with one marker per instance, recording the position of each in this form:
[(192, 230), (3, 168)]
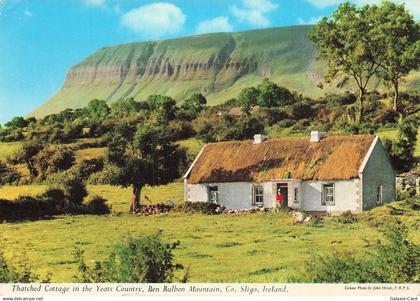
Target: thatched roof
[(332, 158)]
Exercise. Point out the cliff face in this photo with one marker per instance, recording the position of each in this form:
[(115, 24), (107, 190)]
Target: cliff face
[(218, 65)]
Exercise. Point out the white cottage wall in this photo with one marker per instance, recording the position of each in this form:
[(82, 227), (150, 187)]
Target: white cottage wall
[(346, 196)]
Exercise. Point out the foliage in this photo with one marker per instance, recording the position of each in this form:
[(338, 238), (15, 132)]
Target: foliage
[(146, 156), (97, 205), (163, 107), (248, 97), (271, 95), (401, 151), (393, 262), (396, 37), (197, 207), (16, 274), (143, 260), (8, 174), (125, 107), (51, 160), (195, 104)]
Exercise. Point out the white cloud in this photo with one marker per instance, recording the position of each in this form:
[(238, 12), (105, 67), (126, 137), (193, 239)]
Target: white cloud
[(219, 24), (323, 3), (311, 20), (254, 12), (154, 20), (95, 2), (27, 13)]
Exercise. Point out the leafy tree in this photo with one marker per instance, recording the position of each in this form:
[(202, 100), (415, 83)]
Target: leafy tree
[(145, 157), (163, 107), (125, 107), (29, 150), (396, 38), (17, 123), (143, 260), (248, 98), (271, 95), (50, 160), (97, 109), (346, 42), (402, 151), (195, 103)]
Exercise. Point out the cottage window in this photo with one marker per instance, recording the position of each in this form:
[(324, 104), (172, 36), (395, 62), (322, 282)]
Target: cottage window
[(296, 196), (213, 193), (258, 196), (379, 195), (328, 195)]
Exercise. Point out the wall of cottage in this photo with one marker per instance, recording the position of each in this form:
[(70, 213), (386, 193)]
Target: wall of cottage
[(346, 195), (378, 171), (235, 195)]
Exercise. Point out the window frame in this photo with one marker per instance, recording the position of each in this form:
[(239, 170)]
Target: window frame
[(211, 191), (327, 194), (379, 195), (296, 195), (256, 195)]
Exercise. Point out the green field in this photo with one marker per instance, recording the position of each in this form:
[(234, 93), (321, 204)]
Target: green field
[(262, 247)]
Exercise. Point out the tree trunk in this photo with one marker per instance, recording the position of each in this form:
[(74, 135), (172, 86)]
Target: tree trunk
[(359, 117), (396, 96), (135, 199)]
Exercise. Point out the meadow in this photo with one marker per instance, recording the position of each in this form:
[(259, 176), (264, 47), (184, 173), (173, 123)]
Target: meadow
[(261, 247)]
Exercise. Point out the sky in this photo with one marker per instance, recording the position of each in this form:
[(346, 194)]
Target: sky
[(41, 39)]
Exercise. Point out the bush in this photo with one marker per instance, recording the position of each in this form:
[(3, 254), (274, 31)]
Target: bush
[(8, 174), (20, 274), (143, 260), (197, 207), (97, 205), (347, 218), (393, 262)]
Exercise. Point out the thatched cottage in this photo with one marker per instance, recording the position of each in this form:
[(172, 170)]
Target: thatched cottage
[(317, 174)]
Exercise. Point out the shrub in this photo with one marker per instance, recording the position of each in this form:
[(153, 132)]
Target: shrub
[(97, 205), (19, 274), (393, 262), (143, 260), (347, 218), (8, 174), (88, 167), (197, 207)]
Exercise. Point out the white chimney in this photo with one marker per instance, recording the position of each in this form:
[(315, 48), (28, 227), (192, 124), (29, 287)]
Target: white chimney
[(317, 135), (259, 138)]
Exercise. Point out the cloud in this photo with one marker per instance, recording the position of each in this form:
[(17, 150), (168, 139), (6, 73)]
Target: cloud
[(254, 12), (323, 3), (219, 24), (95, 2), (154, 20), (311, 20)]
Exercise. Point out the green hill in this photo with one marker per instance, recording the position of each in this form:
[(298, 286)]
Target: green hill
[(218, 65)]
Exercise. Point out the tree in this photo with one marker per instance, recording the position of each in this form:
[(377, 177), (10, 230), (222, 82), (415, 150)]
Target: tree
[(163, 107), (97, 109), (248, 98), (402, 151), (145, 156), (29, 150), (396, 37), (271, 95), (125, 107), (17, 123), (195, 103), (345, 41)]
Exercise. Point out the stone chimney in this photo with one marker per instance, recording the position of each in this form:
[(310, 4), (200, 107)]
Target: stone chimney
[(316, 136), (259, 138)]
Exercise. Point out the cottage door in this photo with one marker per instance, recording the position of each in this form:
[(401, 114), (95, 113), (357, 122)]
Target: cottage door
[(282, 195)]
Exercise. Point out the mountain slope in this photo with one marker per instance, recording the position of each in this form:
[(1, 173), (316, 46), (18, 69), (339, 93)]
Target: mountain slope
[(218, 65)]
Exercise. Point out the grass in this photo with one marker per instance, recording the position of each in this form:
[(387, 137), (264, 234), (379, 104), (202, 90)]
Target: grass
[(117, 196), (89, 153), (262, 247), (193, 145), (8, 148), (392, 134)]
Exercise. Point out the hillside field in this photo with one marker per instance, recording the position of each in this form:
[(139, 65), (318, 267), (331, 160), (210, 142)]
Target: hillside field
[(261, 247)]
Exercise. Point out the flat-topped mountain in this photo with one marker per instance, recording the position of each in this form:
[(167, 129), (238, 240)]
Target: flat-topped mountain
[(218, 65)]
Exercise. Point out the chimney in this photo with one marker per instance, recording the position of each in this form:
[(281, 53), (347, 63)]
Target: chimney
[(317, 135), (259, 138)]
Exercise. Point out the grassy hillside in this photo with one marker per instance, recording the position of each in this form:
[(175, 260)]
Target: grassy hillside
[(262, 247), (218, 65)]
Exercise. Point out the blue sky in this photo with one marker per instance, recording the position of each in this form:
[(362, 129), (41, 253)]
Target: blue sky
[(41, 39)]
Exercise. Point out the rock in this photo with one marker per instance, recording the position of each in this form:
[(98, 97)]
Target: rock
[(299, 217), (307, 219)]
